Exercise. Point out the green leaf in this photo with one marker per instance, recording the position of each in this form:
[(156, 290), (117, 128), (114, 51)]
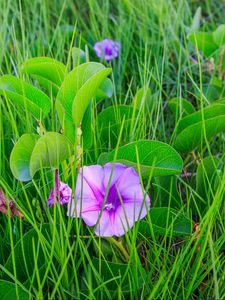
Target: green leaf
[(20, 156), (166, 193), (181, 106), (8, 291), (87, 128), (207, 177), (47, 71), (21, 92), (105, 90), (115, 114), (78, 56), (219, 35), (85, 94), (155, 158), (79, 86), (190, 128), (49, 151), (117, 276), (166, 221), (142, 97), (204, 42), (109, 121), (23, 254)]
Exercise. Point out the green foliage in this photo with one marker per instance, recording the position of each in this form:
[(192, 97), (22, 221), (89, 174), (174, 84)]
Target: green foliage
[(154, 158), (49, 151), (208, 180), (8, 290), (181, 106), (193, 129), (85, 79), (47, 71), (31, 153), (160, 257), (166, 221), (21, 155), (205, 42), (29, 97)]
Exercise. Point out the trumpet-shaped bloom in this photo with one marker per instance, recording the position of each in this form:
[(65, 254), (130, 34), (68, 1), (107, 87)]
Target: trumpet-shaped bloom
[(110, 197), (60, 193), (107, 49)]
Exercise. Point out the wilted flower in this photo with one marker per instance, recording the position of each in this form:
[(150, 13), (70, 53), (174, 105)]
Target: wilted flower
[(107, 49), (60, 193), (6, 203), (110, 197)]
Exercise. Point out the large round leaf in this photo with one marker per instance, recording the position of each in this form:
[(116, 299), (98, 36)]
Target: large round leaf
[(191, 128), (79, 86), (20, 156), (47, 71), (21, 92), (49, 151), (155, 158)]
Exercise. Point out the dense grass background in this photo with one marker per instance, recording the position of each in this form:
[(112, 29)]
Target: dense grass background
[(155, 51)]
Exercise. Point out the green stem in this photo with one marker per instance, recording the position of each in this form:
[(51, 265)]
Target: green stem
[(119, 247)]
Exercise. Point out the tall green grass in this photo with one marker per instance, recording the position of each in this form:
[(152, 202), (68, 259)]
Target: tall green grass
[(155, 51)]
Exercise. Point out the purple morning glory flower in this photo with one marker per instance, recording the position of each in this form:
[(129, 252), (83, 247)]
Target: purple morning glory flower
[(107, 49), (110, 197), (61, 192)]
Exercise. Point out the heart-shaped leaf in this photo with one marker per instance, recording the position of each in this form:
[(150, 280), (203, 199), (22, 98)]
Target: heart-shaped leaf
[(191, 128), (47, 71), (155, 158), (20, 156), (21, 92), (49, 151)]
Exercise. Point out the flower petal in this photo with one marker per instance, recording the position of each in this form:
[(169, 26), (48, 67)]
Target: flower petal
[(126, 215), (128, 179), (105, 226), (112, 173), (90, 182), (90, 217), (76, 208)]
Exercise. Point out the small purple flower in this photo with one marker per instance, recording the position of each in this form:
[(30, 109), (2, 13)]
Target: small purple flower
[(107, 49), (60, 193), (110, 197)]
